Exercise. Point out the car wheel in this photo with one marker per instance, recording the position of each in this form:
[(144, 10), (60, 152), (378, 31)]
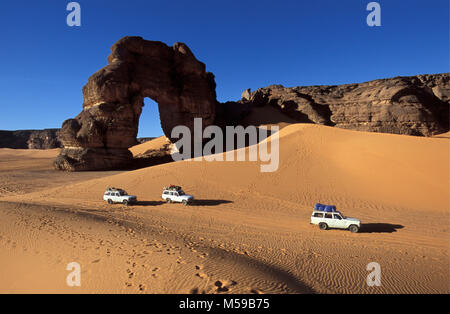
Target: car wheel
[(110, 202), (168, 200), (353, 228), (184, 202), (323, 226), (125, 202)]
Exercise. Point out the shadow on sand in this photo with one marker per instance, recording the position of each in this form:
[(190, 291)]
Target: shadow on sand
[(210, 202), (149, 203), (379, 228), (267, 271)]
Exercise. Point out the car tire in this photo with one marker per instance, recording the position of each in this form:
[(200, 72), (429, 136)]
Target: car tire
[(110, 202), (125, 202), (353, 228), (184, 202), (168, 200), (323, 226)]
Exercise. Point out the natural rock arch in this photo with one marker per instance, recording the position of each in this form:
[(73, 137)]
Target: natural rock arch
[(99, 137)]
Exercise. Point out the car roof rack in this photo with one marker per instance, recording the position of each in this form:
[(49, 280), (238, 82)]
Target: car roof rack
[(112, 189), (172, 187)]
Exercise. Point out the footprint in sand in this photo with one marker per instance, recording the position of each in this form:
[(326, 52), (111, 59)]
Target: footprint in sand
[(180, 260), (202, 275), (224, 285), (142, 287)]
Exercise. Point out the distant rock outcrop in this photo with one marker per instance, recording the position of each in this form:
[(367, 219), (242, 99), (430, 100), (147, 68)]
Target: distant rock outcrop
[(142, 140), (30, 139), (99, 137), (416, 105)]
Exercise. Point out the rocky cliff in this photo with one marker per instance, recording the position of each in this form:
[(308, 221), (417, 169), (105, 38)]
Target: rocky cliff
[(99, 137), (30, 139), (416, 105)]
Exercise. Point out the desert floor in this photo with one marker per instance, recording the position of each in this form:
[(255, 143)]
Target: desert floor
[(248, 231)]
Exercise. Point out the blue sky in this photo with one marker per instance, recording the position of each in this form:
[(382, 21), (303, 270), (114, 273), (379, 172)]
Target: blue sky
[(247, 44)]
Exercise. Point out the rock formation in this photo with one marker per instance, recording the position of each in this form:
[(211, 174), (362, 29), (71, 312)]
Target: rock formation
[(99, 137), (30, 139), (142, 140), (416, 105)]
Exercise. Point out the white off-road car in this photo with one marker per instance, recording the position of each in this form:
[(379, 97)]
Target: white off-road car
[(336, 220), (114, 195), (175, 194)]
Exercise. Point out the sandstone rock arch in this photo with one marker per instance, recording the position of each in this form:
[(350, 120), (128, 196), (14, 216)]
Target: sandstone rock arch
[(99, 137)]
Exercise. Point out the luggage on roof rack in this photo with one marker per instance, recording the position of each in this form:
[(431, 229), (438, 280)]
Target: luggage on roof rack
[(172, 188), (112, 189), (326, 208), (319, 207)]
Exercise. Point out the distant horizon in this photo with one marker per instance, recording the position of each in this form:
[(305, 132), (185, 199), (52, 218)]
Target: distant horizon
[(244, 44)]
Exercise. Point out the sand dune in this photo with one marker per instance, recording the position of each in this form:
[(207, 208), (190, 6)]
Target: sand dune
[(249, 231), (443, 135), (154, 144)]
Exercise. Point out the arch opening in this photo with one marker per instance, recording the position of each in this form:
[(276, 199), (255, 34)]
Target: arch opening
[(150, 121)]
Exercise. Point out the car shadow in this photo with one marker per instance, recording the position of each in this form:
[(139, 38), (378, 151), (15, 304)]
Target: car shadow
[(379, 228), (210, 202), (149, 203)]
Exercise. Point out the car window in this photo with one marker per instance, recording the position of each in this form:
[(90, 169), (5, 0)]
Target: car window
[(319, 215), (171, 193), (166, 192), (117, 194), (175, 194), (337, 217), (328, 216)]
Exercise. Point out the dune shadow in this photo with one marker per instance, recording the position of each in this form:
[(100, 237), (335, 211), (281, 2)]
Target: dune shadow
[(264, 268), (150, 161), (379, 228), (210, 202)]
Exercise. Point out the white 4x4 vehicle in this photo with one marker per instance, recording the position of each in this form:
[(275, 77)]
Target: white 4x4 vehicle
[(113, 195), (326, 220), (175, 194)]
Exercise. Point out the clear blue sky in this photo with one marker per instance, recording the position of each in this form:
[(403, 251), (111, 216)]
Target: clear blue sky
[(247, 44)]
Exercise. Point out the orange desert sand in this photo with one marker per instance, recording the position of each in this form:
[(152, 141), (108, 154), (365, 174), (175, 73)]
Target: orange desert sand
[(249, 231)]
